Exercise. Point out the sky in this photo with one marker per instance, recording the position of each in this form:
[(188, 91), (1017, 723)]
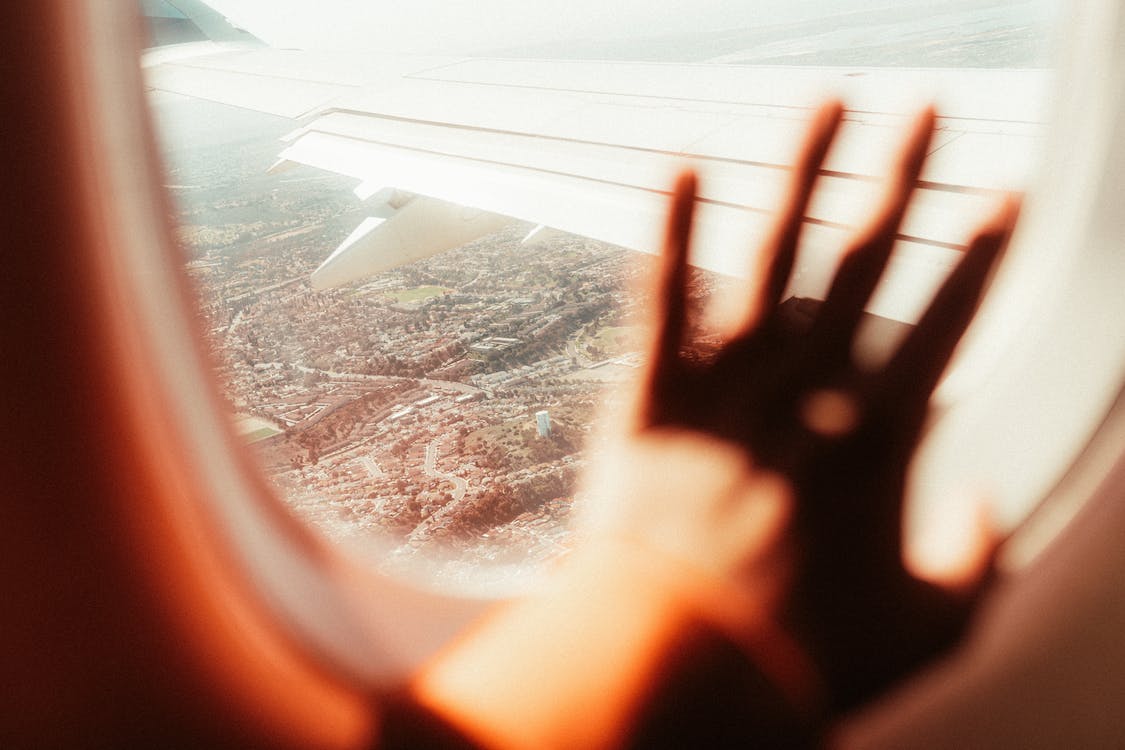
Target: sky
[(463, 27)]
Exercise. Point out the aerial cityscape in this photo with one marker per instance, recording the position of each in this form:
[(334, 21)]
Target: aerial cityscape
[(439, 412)]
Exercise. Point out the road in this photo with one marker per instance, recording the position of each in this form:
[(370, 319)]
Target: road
[(373, 468), (460, 486), (269, 287), (234, 323), (578, 355), (448, 385)]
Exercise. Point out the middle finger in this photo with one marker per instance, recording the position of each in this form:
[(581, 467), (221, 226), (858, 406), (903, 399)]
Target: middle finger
[(863, 264)]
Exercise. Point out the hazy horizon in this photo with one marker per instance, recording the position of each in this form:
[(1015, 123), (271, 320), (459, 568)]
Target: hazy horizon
[(521, 26)]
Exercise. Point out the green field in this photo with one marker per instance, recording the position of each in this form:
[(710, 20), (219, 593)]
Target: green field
[(262, 434), (416, 294), (613, 340), (252, 429)]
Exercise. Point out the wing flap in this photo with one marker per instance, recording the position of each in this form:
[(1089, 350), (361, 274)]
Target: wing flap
[(423, 227), (627, 216), (941, 214)]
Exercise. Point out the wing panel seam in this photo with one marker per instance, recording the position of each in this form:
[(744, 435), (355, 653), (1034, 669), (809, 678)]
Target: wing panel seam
[(613, 183), (924, 184)]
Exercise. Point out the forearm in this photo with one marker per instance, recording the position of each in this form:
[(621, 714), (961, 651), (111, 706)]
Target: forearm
[(565, 667), (586, 661)]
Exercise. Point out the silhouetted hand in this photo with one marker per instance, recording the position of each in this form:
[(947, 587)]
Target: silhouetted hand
[(790, 399)]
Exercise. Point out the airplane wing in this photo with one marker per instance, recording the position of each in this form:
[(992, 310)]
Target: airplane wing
[(448, 150)]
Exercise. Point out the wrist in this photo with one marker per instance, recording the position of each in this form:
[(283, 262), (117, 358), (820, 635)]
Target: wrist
[(742, 612)]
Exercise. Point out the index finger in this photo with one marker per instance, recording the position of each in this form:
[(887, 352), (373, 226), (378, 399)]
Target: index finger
[(863, 264)]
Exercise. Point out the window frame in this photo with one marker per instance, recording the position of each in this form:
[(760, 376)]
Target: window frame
[(375, 629)]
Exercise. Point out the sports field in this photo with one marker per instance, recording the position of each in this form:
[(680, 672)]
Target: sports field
[(252, 429), (416, 294)]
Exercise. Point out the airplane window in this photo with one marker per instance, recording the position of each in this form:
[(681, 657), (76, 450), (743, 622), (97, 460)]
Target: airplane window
[(437, 413)]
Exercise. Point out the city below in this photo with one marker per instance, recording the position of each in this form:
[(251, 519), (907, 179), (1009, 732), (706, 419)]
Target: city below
[(434, 417)]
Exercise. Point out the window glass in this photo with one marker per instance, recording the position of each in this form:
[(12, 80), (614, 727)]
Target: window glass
[(440, 412)]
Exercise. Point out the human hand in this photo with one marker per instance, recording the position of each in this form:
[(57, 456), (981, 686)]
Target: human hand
[(791, 399)]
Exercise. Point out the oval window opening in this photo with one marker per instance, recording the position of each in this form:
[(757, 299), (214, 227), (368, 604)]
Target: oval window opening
[(435, 414)]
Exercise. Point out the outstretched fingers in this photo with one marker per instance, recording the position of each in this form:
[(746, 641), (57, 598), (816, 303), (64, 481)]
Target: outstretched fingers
[(920, 361), (780, 250), (862, 266), (670, 296)]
